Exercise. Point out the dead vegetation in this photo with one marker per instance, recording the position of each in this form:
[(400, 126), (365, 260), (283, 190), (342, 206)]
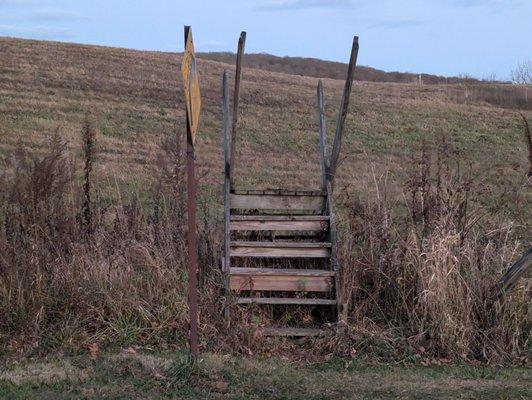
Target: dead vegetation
[(417, 273)]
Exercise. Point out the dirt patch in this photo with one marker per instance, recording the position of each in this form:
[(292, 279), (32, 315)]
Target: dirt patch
[(44, 373)]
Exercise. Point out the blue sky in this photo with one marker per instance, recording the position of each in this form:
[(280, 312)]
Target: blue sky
[(483, 38)]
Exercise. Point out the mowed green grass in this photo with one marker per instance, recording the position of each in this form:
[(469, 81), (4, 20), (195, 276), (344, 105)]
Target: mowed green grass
[(134, 374), (135, 99)]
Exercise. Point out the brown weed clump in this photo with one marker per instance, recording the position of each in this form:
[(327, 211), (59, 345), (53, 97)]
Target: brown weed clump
[(126, 284), (425, 269)]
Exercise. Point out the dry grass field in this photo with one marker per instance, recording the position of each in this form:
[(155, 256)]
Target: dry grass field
[(433, 202), (135, 99)]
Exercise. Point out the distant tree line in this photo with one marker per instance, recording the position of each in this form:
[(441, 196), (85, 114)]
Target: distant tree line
[(330, 69)]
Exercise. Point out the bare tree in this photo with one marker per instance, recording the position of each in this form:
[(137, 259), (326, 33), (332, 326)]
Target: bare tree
[(523, 72)]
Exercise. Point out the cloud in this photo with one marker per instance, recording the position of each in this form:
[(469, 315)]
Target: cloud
[(482, 3), (54, 16), (15, 2), (396, 23), (36, 32), (278, 5), (212, 45)]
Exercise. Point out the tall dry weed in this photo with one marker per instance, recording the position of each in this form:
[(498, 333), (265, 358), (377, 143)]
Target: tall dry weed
[(427, 266)]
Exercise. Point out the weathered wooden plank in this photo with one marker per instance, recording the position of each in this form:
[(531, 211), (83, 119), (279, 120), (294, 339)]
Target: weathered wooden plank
[(285, 283), (276, 202), (279, 225), (291, 332), (281, 271), (236, 95), (337, 143), (279, 252), (279, 217), (278, 245), (227, 188), (285, 300), (281, 192)]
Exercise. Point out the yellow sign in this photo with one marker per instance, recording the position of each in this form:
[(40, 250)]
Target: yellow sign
[(191, 86)]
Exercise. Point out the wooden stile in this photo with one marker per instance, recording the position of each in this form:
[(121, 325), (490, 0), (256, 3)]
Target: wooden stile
[(284, 228)]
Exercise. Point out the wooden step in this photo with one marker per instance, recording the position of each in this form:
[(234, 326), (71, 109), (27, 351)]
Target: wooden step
[(287, 280), (285, 300), (281, 192), (291, 332), (281, 271), (285, 203), (279, 217), (261, 224), (281, 249)]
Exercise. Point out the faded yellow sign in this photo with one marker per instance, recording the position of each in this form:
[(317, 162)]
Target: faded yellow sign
[(191, 86)]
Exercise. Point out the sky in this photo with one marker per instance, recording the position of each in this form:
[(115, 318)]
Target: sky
[(481, 38)]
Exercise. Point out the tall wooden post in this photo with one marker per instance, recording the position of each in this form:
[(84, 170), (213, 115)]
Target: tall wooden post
[(337, 143), (325, 168), (324, 158), (238, 74), (227, 187)]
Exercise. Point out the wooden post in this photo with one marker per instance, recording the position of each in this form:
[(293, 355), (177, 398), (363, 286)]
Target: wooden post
[(241, 46), (324, 158), (513, 274), (325, 168), (227, 189), (337, 143)]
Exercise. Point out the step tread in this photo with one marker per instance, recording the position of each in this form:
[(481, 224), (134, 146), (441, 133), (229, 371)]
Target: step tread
[(280, 271), (281, 192), (284, 300), (279, 217), (288, 204), (291, 332), (312, 245)]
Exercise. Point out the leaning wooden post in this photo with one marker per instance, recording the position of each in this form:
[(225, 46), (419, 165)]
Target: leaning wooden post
[(324, 158), (241, 46), (337, 143), (325, 168), (513, 274), (227, 189)]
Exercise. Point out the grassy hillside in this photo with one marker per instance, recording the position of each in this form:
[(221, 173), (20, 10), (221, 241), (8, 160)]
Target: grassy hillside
[(135, 99)]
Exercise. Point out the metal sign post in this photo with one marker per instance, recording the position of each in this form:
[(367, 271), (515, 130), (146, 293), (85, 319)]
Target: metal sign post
[(193, 106)]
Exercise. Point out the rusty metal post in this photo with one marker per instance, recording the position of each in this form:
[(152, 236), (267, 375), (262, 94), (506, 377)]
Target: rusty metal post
[(192, 241)]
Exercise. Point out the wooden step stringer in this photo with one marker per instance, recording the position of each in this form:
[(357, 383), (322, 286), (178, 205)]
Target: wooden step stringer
[(282, 225)]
